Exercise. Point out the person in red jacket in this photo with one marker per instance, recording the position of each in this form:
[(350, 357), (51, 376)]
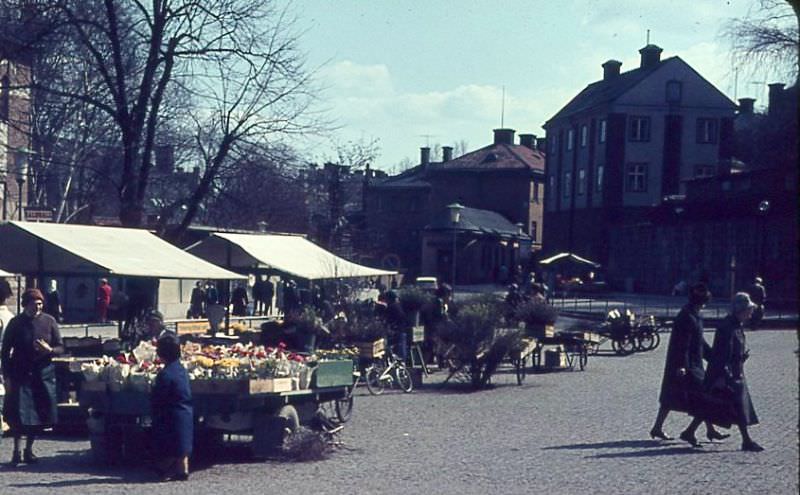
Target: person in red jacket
[(103, 300)]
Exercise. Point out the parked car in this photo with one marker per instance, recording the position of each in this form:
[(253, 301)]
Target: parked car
[(429, 284)]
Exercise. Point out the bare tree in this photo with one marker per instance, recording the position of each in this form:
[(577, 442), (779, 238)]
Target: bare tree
[(237, 59), (768, 37), (357, 154)]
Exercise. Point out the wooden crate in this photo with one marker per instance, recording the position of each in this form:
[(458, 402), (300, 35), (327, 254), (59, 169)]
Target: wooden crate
[(417, 334), (241, 387), (555, 358), (374, 349)]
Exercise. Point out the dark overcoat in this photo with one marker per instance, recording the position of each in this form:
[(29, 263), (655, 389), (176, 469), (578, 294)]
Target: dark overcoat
[(173, 416), (687, 349), (725, 377), (31, 401)]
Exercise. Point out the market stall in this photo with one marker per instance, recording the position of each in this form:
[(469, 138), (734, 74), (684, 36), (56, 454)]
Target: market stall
[(254, 391)]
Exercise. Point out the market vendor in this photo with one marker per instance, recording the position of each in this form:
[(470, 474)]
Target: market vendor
[(30, 341), (173, 416)]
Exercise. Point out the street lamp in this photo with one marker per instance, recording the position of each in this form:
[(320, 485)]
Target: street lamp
[(763, 208), (455, 219), (22, 172)]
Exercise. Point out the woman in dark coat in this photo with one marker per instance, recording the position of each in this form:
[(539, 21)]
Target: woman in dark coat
[(683, 371), (173, 416), (725, 376), (29, 343)]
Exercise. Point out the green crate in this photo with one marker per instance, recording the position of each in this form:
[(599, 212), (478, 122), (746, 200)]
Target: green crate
[(333, 374)]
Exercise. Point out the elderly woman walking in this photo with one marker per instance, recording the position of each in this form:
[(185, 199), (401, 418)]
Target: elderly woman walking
[(725, 380), (30, 341)]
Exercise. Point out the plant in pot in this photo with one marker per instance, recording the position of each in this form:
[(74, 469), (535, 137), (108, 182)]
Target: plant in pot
[(477, 341), (536, 316)]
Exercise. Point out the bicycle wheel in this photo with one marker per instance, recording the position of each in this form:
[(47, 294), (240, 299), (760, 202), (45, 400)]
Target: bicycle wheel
[(624, 345), (344, 407), (373, 379), (646, 341), (403, 378)]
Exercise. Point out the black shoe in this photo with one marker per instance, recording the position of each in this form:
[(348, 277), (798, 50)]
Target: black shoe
[(691, 439), (715, 435), (659, 434), (16, 459), (29, 458), (751, 446)]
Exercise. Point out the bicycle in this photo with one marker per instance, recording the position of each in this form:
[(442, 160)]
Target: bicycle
[(388, 372)]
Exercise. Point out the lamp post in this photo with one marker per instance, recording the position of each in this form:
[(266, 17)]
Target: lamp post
[(5, 197), (763, 208), (22, 172), (455, 219)]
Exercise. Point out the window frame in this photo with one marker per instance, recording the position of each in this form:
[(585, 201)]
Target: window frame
[(567, 184), (598, 183), (602, 129), (672, 83), (631, 171), (639, 133), (570, 139), (707, 130), (584, 135), (581, 182)]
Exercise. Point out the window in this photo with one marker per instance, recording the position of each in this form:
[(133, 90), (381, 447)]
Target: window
[(535, 188), (533, 231), (567, 184), (4, 98), (553, 143), (707, 131), (570, 139), (636, 180), (598, 184), (639, 129), (584, 136), (601, 134), (674, 91), (581, 181), (552, 193), (703, 171)]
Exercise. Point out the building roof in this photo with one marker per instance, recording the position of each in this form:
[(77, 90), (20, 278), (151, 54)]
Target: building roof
[(479, 221), (494, 157), (602, 91)]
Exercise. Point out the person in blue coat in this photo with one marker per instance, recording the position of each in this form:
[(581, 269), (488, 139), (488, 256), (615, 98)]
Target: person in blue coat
[(173, 416)]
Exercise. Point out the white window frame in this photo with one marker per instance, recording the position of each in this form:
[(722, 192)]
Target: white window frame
[(581, 182), (602, 129), (584, 135), (598, 184), (639, 129), (707, 131), (570, 139), (567, 184), (636, 178)]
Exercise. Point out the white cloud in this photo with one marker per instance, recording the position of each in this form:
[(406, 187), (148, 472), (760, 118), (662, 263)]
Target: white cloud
[(352, 79)]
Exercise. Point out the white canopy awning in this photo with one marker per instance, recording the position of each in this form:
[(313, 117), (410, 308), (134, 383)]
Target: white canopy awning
[(291, 254), (5, 274), (561, 257), (68, 249)]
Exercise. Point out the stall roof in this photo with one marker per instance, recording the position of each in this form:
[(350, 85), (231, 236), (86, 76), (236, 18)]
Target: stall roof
[(562, 257), (291, 254), (82, 249), (5, 274)]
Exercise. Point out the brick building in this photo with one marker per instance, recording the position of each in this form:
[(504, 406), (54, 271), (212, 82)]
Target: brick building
[(504, 177), (626, 142), (15, 124)]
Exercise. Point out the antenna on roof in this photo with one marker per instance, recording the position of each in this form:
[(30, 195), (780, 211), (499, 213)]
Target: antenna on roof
[(427, 138), (503, 109), (648, 36)]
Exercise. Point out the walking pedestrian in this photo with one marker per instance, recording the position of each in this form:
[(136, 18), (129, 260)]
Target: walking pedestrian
[(725, 375), (197, 300), (173, 416), (240, 300), (30, 341), (683, 370)]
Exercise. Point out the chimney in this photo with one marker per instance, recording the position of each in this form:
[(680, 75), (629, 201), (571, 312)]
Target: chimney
[(447, 153), (775, 93), (504, 136), (746, 106), (541, 144), (528, 140), (651, 56), (611, 69), (424, 156)]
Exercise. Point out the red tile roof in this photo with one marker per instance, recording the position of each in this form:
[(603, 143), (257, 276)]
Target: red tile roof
[(496, 157)]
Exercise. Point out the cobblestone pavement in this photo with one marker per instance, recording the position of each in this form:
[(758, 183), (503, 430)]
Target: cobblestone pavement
[(563, 432)]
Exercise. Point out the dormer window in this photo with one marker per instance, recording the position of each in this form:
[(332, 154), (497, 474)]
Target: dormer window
[(674, 91)]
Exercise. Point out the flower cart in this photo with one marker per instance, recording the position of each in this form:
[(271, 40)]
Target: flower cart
[(244, 390)]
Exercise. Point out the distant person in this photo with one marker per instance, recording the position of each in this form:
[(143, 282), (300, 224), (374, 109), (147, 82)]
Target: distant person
[(240, 300), (173, 415), (683, 370), (52, 302), (291, 298), (397, 323), (30, 341), (103, 300), (758, 294), (267, 294), (212, 294), (197, 301), (5, 313)]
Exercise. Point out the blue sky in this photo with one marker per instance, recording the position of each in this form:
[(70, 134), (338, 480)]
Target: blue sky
[(397, 70)]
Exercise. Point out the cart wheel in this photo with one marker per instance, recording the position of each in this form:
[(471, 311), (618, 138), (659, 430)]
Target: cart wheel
[(519, 367), (624, 346), (646, 341), (373, 379), (583, 359), (404, 378), (656, 341), (344, 407)]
